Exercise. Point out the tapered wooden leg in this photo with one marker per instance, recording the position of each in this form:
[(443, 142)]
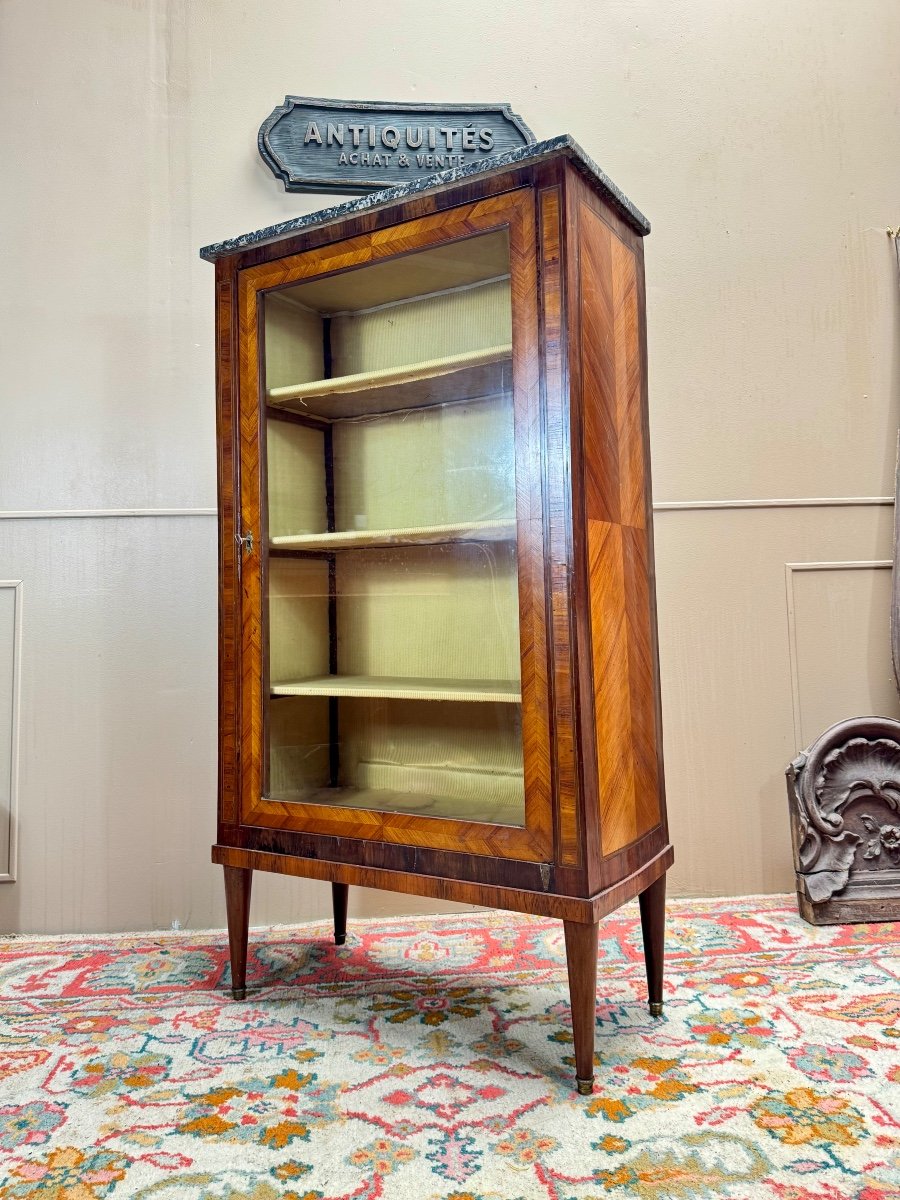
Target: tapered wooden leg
[(581, 957), (237, 904), (339, 904), (653, 926)]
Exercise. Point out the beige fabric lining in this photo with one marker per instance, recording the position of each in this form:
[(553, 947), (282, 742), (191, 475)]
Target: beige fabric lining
[(298, 745), (465, 740), (438, 464), (293, 343), (453, 264), (298, 618), (429, 612), (467, 759), (449, 325), (296, 479), (443, 759)]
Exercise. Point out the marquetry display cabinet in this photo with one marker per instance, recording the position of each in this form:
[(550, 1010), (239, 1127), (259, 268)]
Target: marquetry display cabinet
[(438, 667)]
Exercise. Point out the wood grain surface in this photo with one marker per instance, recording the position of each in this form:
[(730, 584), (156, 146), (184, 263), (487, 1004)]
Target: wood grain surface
[(585, 909), (227, 454), (615, 500), (569, 826)]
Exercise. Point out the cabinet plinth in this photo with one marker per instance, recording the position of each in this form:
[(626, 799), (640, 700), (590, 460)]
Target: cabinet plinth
[(438, 663)]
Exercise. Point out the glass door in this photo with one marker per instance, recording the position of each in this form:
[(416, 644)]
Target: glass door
[(391, 643)]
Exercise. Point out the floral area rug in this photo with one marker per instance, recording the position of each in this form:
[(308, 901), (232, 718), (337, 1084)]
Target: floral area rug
[(431, 1058)]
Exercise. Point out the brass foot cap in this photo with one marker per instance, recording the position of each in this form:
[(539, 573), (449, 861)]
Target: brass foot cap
[(656, 1008), (239, 993), (340, 939), (585, 1086)]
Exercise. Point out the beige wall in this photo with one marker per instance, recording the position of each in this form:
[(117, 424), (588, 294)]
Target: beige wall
[(761, 141)]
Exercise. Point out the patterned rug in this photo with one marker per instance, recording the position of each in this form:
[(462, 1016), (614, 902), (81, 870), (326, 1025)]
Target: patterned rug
[(431, 1058)]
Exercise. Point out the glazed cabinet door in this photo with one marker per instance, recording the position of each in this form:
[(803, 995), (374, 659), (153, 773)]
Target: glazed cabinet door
[(393, 655)]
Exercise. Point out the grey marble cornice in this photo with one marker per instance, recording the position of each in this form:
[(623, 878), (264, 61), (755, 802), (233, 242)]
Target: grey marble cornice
[(563, 144)]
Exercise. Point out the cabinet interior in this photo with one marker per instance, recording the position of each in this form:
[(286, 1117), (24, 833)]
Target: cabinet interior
[(393, 631)]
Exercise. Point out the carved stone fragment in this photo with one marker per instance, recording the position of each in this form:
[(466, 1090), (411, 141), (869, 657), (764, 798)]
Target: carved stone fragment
[(844, 797)]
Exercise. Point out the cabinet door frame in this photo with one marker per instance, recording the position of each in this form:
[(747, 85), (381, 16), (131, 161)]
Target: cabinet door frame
[(514, 210)]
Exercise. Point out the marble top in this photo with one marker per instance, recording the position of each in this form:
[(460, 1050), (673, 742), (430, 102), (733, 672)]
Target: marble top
[(523, 156)]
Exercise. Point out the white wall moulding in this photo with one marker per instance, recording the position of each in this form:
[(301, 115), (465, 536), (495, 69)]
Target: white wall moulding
[(54, 514), (10, 676), (60, 514), (789, 502), (835, 652)]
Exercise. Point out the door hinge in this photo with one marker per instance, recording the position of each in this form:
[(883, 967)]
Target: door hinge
[(544, 869)]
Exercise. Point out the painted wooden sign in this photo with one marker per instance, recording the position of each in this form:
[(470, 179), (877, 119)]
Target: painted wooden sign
[(316, 145)]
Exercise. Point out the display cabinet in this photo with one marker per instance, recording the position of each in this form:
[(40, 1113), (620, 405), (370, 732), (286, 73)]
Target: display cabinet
[(438, 668)]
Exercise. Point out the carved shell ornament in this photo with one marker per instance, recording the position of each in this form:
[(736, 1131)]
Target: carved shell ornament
[(860, 768)]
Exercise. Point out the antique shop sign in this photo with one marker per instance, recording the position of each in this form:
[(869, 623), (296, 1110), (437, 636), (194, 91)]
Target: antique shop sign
[(316, 145)]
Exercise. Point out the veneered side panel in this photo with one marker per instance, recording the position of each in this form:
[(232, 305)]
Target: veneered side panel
[(618, 551)]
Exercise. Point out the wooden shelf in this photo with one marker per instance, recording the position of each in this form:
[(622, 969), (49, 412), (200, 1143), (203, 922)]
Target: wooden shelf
[(494, 811), (503, 530), (483, 691), (465, 376)]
